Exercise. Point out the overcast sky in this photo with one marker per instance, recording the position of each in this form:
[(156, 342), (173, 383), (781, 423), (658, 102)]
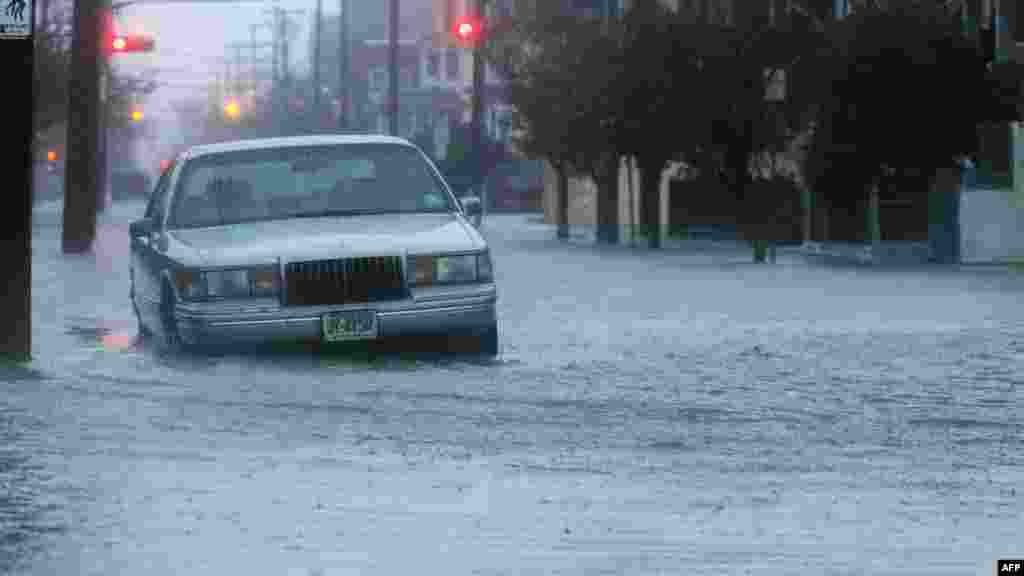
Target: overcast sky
[(191, 40)]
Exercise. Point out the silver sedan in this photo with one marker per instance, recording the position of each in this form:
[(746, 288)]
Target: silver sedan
[(328, 238)]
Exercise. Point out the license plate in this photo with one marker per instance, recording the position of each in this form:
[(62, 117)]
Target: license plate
[(349, 325)]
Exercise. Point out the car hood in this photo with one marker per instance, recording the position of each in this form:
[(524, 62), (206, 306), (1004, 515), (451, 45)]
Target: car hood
[(316, 238)]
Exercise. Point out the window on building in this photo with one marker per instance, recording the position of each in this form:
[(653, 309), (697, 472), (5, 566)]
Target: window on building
[(407, 79), (452, 64), (434, 64), (378, 79)]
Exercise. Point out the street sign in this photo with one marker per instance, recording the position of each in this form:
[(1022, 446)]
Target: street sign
[(16, 21)]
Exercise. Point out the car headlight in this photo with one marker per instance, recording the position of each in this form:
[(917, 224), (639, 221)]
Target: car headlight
[(451, 269), (235, 283)]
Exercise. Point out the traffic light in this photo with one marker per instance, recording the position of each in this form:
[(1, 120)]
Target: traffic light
[(131, 43), (136, 115), (469, 30), (51, 155)]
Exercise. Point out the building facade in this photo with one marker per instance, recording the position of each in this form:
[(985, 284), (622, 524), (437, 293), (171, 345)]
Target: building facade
[(977, 218)]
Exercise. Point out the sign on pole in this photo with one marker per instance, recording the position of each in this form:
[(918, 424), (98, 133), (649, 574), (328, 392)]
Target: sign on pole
[(16, 21)]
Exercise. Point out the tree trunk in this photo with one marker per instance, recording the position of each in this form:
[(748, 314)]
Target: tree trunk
[(562, 196), (632, 200), (874, 230), (650, 199), (749, 207), (608, 203)]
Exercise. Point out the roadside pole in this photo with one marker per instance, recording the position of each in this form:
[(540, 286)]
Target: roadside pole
[(345, 119), (80, 195), (316, 64), (17, 25), (103, 200), (393, 65)]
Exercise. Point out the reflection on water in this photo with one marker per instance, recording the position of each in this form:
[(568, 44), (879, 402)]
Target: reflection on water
[(110, 335), (392, 353)]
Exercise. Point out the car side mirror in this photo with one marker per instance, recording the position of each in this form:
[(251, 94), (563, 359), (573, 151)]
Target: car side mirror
[(141, 228), (473, 208)]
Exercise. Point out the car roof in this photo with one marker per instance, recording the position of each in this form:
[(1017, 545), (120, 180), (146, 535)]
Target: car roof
[(293, 141)]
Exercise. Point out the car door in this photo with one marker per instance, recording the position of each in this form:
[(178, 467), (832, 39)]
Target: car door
[(145, 275)]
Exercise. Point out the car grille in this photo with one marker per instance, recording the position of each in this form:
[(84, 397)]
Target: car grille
[(344, 281)]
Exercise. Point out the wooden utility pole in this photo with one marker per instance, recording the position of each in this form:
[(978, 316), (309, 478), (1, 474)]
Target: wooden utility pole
[(16, 219), (316, 61), (479, 154), (285, 71), (281, 73), (393, 65), (256, 45), (81, 167), (102, 156), (344, 65)]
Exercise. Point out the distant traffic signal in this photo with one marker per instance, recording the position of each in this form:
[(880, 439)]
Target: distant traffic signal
[(51, 155), (131, 43), (468, 30), (231, 109), (136, 115)]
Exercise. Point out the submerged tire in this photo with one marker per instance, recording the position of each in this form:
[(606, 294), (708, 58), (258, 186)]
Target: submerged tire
[(484, 342), (144, 332), (169, 325)]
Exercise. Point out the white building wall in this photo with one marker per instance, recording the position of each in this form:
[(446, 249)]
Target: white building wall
[(992, 221), (991, 226)]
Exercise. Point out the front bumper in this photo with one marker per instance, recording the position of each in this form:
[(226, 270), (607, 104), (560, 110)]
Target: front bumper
[(429, 311)]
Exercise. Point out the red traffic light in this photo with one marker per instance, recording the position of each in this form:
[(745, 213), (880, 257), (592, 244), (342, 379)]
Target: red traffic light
[(469, 30), (131, 43)]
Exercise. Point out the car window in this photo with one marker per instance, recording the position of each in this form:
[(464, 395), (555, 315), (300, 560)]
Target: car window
[(243, 186), (155, 209)]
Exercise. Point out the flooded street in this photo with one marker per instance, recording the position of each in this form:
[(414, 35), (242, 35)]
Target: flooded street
[(682, 412)]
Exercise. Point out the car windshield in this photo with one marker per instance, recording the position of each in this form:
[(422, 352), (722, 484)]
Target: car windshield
[(304, 182)]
